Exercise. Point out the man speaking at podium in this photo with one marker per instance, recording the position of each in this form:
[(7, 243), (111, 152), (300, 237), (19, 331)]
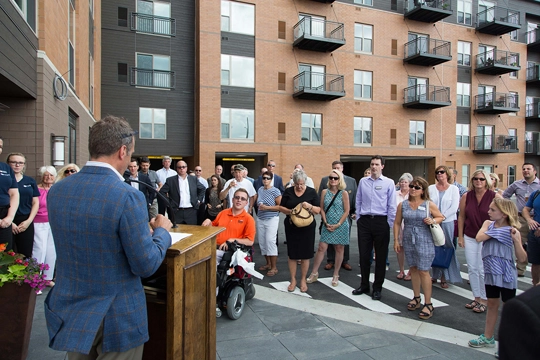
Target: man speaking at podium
[(104, 248)]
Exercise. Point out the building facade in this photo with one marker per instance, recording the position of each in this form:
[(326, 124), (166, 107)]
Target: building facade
[(50, 65)]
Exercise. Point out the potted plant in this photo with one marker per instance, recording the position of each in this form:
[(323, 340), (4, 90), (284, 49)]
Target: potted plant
[(20, 280)]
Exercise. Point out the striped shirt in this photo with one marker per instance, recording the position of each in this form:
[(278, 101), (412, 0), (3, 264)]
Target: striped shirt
[(499, 268), (267, 197)]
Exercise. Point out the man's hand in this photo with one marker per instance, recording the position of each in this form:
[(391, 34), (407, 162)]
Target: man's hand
[(161, 221), (207, 222), (224, 246)]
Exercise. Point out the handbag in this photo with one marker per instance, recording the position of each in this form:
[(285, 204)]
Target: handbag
[(443, 257), (326, 210), (300, 216), (436, 231)]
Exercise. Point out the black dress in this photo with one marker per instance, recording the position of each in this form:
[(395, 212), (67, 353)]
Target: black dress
[(300, 241)]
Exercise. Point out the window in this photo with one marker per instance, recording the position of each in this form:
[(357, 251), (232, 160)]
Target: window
[(363, 84), (72, 137), (28, 11), (463, 95), (417, 89), (311, 127), (513, 74), (237, 71), (417, 44), (464, 53), (486, 168), (312, 25), (511, 174), (313, 77), (484, 139), (417, 132), (151, 17), (153, 70), (486, 55), (91, 82), (465, 175), (514, 35), (364, 2), (464, 15), (363, 38), (485, 96), (513, 102), (152, 123), (122, 72), (462, 135), (122, 16), (362, 130), (237, 124), (486, 11), (71, 42), (237, 17)]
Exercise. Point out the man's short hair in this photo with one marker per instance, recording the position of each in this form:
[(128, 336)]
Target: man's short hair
[(242, 190), (144, 159), (165, 157), (378, 157), (108, 135), (337, 162), (134, 160)]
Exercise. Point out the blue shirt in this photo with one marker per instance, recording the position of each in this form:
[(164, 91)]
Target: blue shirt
[(534, 203), (376, 197), (7, 181), (27, 191)]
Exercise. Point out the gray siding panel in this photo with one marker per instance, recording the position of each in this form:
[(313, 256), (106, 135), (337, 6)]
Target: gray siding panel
[(463, 115), (237, 97), (464, 74), (237, 44)]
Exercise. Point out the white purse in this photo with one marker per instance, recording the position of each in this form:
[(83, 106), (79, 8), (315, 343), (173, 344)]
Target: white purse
[(436, 231)]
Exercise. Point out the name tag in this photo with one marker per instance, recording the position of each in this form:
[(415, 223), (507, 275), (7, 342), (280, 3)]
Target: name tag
[(421, 208), (27, 185), (378, 187), (240, 221)]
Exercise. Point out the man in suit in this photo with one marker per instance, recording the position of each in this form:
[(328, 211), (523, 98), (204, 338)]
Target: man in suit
[(134, 174), (104, 247), (351, 189), (185, 193), (277, 181), (164, 173)]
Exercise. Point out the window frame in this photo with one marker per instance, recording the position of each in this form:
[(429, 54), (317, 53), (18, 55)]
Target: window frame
[(229, 15), (362, 86), (71, 43), (231, 73), (461, 94), (230, 126), (462, 45), (153, 124), (461, 135), (313, 119), (511, 178), (463, 4), (417, 131), (364, 133), (364, 2), (363, 38)]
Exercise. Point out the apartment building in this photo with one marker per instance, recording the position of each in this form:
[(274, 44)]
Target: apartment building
[(49, 67)]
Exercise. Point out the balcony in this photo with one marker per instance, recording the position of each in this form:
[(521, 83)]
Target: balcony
[(318, 86), (493, 144), (533, 39), (427, 52), (496, 103), (152, 78), (532, 147), (497, 21), (428, 11), (497, 62), (532, 111), (426, 97), (533, 74), (151, 24), (318, 35)]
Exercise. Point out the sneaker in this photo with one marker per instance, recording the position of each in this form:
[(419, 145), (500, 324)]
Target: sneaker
[(482, 341)]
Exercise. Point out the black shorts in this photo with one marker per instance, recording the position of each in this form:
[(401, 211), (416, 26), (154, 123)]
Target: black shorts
[(533, 249), (495, 292)]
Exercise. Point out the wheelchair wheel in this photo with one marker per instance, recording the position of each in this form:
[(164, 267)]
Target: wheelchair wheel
[(250, 291), (236, 303)]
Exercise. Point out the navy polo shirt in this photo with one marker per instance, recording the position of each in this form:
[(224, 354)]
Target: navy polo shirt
[(27, 191), (7, 181)]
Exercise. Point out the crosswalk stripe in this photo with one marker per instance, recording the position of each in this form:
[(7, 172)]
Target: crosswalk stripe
[(466, 277), (456, 290), (402, 290), (363, 300), (283, 285)]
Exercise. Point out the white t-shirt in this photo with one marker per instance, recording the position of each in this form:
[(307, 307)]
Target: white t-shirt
[(246, 184)]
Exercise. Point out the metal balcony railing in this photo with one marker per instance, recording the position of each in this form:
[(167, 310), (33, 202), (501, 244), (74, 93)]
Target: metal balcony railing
[(497, 14), (495, 143), (532, 110), (533, 72), (532, 36), (151, 24), (152, 78), (314, 81), (497, 57), (423, 45), (496, 100), (434, 4), (323, 29), (422, 92), (532, 147)]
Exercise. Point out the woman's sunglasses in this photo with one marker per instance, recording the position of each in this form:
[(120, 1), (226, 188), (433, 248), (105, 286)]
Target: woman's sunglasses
[(68, 171), (415, 187), (333, 177)]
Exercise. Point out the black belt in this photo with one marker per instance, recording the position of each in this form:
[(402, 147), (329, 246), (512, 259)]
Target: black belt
[(184, 208), (372, 216)]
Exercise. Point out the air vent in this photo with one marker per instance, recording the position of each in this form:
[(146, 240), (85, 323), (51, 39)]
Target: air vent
[(224, 38), (224, 92), (358, 56), (357, 102)]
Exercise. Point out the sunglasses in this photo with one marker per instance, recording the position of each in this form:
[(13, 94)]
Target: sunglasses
[(181, 167), (440, 172), (72, 171), (197, 170), (240, 198), (271, 165), (266, 178), (478, 179), (415, 187), (333, 177)]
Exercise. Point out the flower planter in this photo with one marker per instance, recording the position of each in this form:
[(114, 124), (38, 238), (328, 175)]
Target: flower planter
[(17, 304)]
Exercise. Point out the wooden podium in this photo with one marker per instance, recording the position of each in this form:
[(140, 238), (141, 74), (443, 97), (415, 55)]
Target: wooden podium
[(181, 299)]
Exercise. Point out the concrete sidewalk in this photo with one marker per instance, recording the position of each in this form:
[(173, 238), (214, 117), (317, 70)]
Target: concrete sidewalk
[(270, 331)]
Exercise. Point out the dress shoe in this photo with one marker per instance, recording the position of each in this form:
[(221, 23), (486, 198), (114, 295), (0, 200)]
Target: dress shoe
[(346, 266), (329, 266), (376, 295), (360, 291)]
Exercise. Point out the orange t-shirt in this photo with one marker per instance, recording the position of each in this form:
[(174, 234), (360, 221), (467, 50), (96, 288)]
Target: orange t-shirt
[(241, 226)]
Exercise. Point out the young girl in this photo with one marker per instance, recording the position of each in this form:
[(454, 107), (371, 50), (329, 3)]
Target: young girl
[(500, 236)]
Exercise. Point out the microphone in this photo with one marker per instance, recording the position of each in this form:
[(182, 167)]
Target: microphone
[(161, 196)]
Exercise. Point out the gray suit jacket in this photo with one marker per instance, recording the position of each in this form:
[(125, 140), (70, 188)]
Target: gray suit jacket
[(351, 188)]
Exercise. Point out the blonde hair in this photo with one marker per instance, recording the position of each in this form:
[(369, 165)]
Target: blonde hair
[(496, 177), (342, 184), (486, 176), (508, 208), (61, 174)]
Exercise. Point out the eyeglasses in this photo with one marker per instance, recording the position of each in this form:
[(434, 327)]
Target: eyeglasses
[(415, 187), (271, 165), (72, 171), (478, 179), (266, 178), (333, 177), (17, 163), (240, 198), (181, 167), (440, 172)]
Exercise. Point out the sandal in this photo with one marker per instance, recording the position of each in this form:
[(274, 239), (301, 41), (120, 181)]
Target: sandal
[(480, 308), (414, 305), (472, 304), (335, 281), (424, 315), (407, 277), (401, 275), (264, 267), (433, 281), (303, 289), (444, 285), (292, 286), (272, 272), (312, 278)]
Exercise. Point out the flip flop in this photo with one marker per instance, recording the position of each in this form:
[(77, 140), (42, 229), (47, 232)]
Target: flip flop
[(264, 268), (304, 289), (272, 272), (400, 276), (291, 287), (444, 285), (407, 277)]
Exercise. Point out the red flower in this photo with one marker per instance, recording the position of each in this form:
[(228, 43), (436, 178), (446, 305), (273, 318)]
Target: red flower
[(3, 247)]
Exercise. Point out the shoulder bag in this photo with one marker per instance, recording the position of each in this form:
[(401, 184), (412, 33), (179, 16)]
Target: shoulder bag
[(436, 230), (300, 216), (326, 210)]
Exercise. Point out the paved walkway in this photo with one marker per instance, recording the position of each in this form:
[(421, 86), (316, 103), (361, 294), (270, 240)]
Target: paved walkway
[(282, 326)]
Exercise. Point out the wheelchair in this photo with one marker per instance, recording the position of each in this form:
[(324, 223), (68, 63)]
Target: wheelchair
[(235, 286)]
